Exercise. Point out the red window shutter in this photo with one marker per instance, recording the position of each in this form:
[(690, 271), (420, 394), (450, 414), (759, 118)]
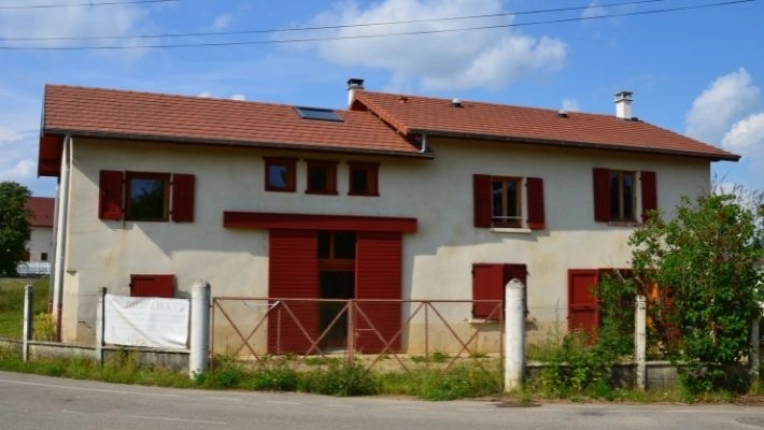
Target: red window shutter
[(601, 194), (378, 275), (583, 308), (535, 190), (110, 197), (481, 189), (152, 286), (183, 198), (649, 193), (487, 284), (293, 274)]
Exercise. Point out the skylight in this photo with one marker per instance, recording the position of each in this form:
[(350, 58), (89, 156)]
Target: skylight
[(317, 113)]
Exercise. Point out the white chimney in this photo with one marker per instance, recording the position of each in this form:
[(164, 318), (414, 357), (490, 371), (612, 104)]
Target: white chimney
[(623, 105), (353, 85)]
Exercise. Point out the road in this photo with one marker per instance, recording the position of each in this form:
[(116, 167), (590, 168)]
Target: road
[(37, 402)]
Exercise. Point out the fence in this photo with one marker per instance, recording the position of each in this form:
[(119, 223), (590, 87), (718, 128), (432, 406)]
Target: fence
[(389, 334)]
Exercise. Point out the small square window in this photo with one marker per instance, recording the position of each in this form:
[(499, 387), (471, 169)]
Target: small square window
[(280, 174), (43, 256), (322, 177), (147, 196), (363, 179)]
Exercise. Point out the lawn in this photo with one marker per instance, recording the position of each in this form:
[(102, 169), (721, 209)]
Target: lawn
[(12, 303)]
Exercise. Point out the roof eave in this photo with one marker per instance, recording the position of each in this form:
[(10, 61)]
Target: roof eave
[(564, 143)]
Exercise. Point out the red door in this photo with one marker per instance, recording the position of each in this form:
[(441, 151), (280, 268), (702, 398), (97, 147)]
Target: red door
[(583, 309)]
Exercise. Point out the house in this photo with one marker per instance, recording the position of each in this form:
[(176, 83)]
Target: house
[(396, 197), (39, 247)]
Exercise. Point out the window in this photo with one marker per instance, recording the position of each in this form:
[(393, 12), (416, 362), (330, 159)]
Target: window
[(615, 195), (280, 174), (499, 201), (488, 284), (318, 114), (322, 177), (363, 179), (336, 250), (43, 256), (145, 196)]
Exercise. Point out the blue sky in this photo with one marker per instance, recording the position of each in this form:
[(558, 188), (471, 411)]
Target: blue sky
[(697, 72)]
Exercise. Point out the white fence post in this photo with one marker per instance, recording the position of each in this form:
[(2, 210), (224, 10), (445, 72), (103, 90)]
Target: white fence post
[(28, 328), (199, 358), (640, 341), (514, 329), (755, 340), (100, 316)]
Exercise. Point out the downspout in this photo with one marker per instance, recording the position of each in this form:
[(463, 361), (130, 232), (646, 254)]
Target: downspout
[(423, 149), (62, 206)]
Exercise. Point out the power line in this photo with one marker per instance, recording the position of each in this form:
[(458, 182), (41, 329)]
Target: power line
[(373, 36), (102, 3), (329, 27)]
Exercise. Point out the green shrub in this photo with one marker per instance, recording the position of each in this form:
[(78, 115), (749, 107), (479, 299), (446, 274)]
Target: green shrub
[(339, 380)]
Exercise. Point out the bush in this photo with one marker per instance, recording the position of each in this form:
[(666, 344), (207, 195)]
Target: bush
[(339, 380)]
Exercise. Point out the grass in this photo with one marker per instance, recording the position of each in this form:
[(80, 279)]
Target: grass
[(12, 303)]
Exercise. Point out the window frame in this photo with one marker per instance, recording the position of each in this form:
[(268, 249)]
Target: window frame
[(291, 177), (372, 179), (621, 199), (164, 177), (519, 195), (331, 176)]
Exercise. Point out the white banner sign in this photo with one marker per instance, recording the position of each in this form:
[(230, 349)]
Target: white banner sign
[(146, 321)]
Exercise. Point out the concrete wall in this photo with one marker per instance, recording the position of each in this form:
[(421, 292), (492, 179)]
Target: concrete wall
[(437, 258)]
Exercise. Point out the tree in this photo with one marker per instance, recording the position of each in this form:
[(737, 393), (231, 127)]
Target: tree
[(704, 264), (14, 226)]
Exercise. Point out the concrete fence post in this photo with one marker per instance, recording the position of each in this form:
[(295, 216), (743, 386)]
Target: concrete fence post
[(28, 328), (100, 323), (199, 356), (514, 329), (755, 339), (640, 341)]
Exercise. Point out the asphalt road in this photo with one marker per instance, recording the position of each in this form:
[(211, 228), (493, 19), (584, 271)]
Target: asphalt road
[(36, 402)]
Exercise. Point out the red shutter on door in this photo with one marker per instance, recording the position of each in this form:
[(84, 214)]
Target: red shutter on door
[(649, 194), (583, 308), (110, 195), (183, 198), (535, 189), (378, 276), (481, 192), (152, 286), (487, 284), (293, 273), (601, 194)]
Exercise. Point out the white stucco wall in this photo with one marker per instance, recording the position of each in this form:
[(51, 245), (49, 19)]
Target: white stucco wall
[(437, 258), (40, 241)]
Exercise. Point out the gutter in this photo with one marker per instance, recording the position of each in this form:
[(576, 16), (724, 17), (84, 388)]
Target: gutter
[(61, 222)]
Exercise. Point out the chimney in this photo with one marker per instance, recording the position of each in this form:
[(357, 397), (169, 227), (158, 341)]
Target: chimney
[(623, 105), (353, 85)]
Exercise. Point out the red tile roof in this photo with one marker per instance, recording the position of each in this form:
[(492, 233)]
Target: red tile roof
[(139, 115), (41, 209), (414, 114)]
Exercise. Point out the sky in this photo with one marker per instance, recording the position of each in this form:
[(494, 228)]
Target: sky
[(696, 71)]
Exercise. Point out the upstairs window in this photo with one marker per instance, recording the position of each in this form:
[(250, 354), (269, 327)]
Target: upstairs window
[(503, 201), (615, 195), (280, 174), (363, 179), (322, 177), (146, 196)]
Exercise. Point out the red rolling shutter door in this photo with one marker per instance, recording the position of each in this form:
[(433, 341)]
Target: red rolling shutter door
[(481, 193), (583, 309), (152, 286), (535, 190), (183, 198), (601, 194), (293, 273), (110, 196), (378, 276), (649, 194)]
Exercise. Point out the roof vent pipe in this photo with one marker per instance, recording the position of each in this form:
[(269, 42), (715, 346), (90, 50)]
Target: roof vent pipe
[(623, 101), (353, 85), (457, 103)]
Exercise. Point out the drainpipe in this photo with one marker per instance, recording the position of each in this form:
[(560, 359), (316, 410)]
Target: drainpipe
[(62, 206), (423, 149)]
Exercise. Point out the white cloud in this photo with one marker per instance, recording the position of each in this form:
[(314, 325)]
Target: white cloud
[(239, 97), (8, 136), (728, 99), (205, 94), (594, 10), (222, 22), (570, 105), (438, 61), (746, 136), (20, 171)]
